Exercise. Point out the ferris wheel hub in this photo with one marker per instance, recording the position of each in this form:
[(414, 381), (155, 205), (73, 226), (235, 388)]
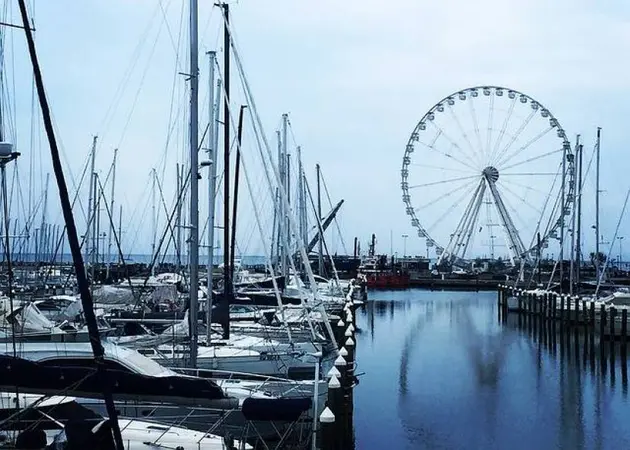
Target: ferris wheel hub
[(491, 173)]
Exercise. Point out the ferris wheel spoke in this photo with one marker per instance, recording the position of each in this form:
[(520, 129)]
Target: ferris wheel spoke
[(448, 169), (463, 132), (473, 113), (520, 198), (443, 196), (449, 210), (448, 155), (516, 213), (524, 147), (435, 183), (489, 126), (454, 144), (528, 160), (497, 144), (526, 174), (550, 218), (518, 132), (524, 186)]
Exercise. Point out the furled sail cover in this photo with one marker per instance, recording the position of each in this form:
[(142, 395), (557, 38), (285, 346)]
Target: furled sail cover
[(84, 381)]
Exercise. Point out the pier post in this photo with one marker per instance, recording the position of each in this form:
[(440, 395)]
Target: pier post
[(340, 365), (624, 333), (591, 332), (499, 295), (602, 329), (530, 312), (577, 311), (612, 314)]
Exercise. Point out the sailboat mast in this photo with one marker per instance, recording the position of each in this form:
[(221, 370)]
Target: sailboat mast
[(86, 240), (178, 217), (44, 211), (301, 199), (227, 271), (573, 219), (153, 220), (93, 235), (562, 219), (194, 181), (212, 186), (597, 148), (111, 208), (285, 213), (320, 260), (119, 231), (237, 170), (279, 205), (578, 243)]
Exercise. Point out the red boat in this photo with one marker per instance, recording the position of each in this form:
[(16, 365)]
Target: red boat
[(387, 280), (380, 273)]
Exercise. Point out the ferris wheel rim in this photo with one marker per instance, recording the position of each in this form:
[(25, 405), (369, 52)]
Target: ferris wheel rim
[(462, 95)]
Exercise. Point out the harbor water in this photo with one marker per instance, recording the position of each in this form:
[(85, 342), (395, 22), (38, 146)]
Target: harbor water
[(440, 370)]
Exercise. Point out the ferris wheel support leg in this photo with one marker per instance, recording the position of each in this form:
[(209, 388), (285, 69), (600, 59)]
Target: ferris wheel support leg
[(475, 219), (516, 246), (459, 234)]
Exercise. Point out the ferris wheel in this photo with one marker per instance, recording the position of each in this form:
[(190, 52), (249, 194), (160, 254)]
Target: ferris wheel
[(488, 172)]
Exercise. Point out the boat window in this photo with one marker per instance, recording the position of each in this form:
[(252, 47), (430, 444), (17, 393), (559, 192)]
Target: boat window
[(146, 351), (138, 363), (83, 363)]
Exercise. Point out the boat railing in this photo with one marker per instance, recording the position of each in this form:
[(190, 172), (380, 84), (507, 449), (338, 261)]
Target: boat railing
[(233, 375)]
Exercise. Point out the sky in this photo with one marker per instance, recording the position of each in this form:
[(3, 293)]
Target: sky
[(355, 78)]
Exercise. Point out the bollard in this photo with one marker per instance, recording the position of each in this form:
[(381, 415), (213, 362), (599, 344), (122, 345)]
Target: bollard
[(340, 364), (350, 347), (333, 372), (328, 429), (339, 330)]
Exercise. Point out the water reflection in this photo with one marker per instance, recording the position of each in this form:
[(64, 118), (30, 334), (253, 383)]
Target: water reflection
[(467, 380)]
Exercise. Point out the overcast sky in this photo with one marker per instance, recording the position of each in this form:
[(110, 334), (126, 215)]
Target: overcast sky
[(355, 77)]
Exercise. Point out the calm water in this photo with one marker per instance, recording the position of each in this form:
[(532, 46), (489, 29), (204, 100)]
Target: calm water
[(441, 372)]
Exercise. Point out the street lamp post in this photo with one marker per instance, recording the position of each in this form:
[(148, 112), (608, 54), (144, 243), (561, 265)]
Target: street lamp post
[(620, 238), (405, 236)]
